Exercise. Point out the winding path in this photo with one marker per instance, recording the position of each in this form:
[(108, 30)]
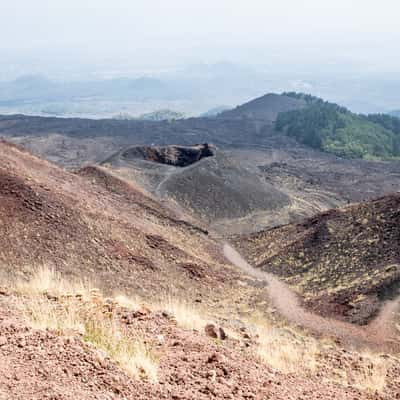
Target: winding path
[(378, 334)]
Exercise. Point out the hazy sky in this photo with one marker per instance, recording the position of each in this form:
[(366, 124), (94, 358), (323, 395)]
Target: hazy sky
[(173, 32)]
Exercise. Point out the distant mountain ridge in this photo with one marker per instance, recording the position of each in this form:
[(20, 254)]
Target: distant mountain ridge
[(31, 87)]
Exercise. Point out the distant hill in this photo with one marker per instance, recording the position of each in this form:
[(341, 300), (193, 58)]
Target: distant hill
[(89, 140), (158, 115), (343, 262), (213, 112), (162, 115), (265, 108), (334, 129), (306, 122)]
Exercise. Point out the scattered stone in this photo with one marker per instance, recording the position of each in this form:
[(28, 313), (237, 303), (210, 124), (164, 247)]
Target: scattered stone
[(213, 358), (215, 332), (222, 334), (211, 331)]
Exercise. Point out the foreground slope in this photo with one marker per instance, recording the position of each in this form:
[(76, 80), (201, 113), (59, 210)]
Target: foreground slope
[(49, 364), (98, 225), (343, 262)]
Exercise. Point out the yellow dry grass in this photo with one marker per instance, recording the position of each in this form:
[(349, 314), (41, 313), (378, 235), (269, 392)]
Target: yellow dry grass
[(290, 350), (370, 376), (185, 313), (80, 309), (283, 348), (47, 280)]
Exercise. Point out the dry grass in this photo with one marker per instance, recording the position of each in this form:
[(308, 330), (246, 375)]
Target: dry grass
[(287, 355), (289, 350), (131, 352), (369, 376), (84, 311), (45, 314), (45, 280), (285, 349), (186, 314), (80, 309)]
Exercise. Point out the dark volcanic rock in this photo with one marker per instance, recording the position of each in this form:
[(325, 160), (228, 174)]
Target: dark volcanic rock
[(178, 156)]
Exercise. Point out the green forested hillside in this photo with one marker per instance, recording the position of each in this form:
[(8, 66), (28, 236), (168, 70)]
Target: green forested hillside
[(334, 129)]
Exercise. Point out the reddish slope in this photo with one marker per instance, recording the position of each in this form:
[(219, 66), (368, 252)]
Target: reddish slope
[(345, 262), (98, 225)]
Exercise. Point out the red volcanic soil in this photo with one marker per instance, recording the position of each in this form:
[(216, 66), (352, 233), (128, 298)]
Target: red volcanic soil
[(94, 224), (38, 364)]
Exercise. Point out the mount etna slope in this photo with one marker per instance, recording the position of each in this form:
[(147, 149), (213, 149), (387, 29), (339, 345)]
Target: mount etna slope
[(266, 177), (241, 191), (66, 341), (73, 141), (98, 225), (209, 184), (344, 262)]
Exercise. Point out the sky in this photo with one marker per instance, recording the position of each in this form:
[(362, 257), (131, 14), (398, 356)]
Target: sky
[(158, 33)]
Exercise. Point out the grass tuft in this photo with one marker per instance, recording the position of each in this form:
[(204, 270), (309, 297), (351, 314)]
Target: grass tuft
[(46, 280), (77, 308), (186, 314)]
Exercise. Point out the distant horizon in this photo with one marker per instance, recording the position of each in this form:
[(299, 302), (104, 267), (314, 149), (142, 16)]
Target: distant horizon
[(124, 114), (206, 53), (72, 38)]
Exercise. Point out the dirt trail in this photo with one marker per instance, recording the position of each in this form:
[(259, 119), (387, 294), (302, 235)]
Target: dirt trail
[(378, 334)]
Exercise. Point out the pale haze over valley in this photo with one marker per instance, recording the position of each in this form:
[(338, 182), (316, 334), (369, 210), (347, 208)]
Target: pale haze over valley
[(340, 50)]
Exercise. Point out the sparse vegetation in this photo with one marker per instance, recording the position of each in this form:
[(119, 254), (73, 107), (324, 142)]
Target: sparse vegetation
[(372, 377), (47, 280), (186, 314), (287, 354), (292, 351), (284, 349), (49, 301)]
